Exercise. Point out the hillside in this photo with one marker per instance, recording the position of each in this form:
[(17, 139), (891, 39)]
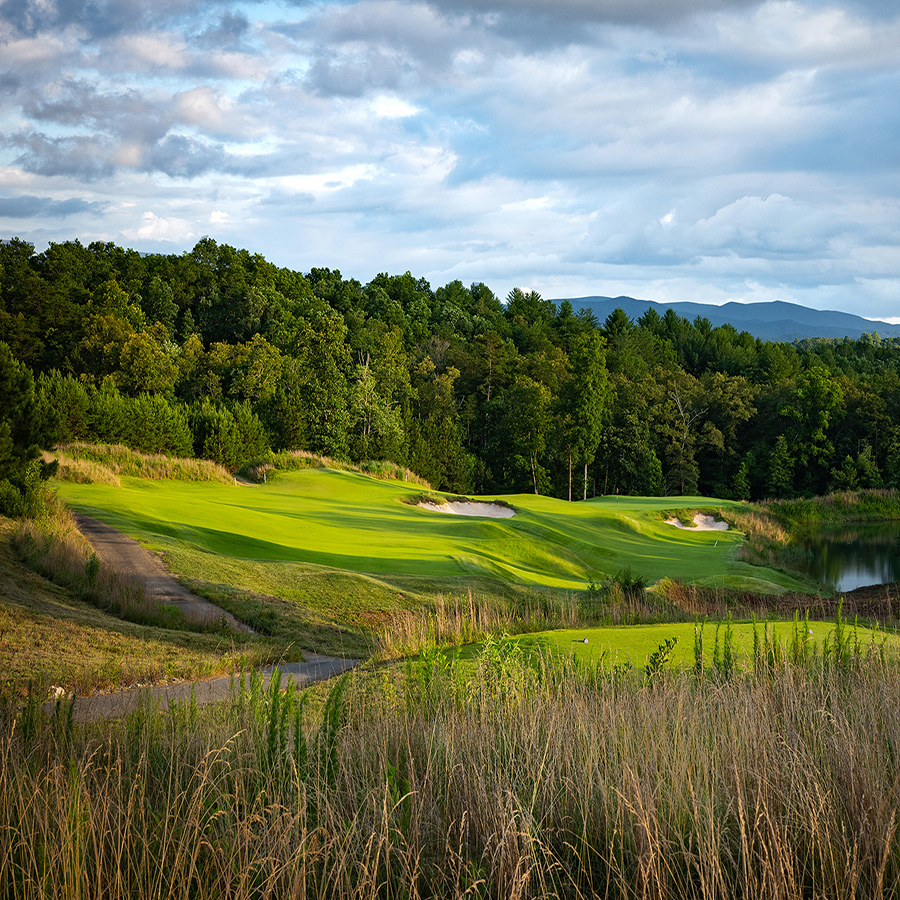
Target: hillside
[(316, 520), (773, 321)]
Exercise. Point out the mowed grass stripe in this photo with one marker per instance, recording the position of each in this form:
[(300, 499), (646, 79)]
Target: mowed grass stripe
[(350, 521)]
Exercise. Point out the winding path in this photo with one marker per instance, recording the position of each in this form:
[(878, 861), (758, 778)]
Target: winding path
[(126, 556), (118, 705)]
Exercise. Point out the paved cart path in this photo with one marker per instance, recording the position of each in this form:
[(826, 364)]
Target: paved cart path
[(126, 556), (116, 706)]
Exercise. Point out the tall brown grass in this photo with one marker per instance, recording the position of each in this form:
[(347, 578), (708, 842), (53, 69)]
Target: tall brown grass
[(512, 781), (82, 471), (53, 546), (105, 463), (468, 618), (303, 459)]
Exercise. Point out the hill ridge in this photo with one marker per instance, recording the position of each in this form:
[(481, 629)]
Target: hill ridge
[(772, 320)]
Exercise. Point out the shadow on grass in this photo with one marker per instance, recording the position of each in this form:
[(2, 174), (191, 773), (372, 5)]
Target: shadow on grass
[(290, 624)]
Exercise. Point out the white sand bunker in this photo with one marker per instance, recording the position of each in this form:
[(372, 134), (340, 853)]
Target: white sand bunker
[(701, 523), (471, 508)]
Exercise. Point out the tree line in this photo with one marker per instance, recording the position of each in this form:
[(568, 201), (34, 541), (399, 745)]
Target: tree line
[(221, 354)]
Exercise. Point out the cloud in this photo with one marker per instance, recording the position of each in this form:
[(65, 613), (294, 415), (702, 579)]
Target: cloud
[(96, 18), (720, 147), (154, 228), (84, 157), (27, 206), (229, 32), (538, 22), (180, 156)]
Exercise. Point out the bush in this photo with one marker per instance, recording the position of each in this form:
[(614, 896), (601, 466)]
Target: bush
[(12, 503)]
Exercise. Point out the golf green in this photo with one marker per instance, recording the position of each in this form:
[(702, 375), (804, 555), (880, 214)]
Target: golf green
[(634, 643), (351, 521)]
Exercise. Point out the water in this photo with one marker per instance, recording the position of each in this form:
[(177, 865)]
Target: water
[(855, 557)]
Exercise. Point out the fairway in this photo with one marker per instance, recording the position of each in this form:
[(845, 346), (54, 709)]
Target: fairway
[(350, 521), (634, 643)]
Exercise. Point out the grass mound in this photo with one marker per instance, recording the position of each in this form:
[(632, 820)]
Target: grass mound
[(108, 463), (293, 460)]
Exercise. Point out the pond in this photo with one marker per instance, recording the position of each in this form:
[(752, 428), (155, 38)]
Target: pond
[(855, 557)]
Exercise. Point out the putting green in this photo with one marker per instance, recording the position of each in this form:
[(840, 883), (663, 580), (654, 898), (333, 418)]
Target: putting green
[(350, 521), (635, 643)]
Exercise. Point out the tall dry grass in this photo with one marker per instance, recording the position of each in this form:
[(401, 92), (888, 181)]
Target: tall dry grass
[(510, 781), (53, 546), (469, 618), (302, 459), (106, 463)]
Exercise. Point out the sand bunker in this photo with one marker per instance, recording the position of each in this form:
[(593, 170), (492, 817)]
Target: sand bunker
[(701, 523), (471, 508)]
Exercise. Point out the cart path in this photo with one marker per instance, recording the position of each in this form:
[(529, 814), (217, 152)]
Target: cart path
[(126, 556), (116, 706)]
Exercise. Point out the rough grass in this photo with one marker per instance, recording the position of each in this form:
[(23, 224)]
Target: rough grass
[(837, 508), (292, 460), (106, 463), (518, 782), (49, 636)]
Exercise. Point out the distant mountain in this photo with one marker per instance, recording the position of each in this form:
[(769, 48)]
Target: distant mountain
[(773, 321)]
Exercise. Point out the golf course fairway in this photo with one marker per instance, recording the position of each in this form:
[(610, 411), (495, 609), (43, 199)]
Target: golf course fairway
[(350, 521), (633, 644)]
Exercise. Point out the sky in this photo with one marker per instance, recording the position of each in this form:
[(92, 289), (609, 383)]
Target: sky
[(671, 150)]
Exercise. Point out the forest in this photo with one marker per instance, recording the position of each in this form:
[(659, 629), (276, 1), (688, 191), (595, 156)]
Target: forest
[(220, 354)]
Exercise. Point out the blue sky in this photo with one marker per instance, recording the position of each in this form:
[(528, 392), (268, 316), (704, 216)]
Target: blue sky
[(704, 150)]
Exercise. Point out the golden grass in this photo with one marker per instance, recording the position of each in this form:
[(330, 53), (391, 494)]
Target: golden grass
[(49, 636), (468, 618), (84, 463), (303, 459), (515, 783), (99, 463), (82, 471)]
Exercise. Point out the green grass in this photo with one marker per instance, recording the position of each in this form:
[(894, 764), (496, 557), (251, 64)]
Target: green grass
[(49, 636), (347, 521), (634, 644)]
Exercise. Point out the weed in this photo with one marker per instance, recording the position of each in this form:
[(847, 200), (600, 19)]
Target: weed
[(660, 658), (699, 625), (573, 784)]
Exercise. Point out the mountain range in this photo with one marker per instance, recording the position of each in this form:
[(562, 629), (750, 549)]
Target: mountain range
[(776, 320)]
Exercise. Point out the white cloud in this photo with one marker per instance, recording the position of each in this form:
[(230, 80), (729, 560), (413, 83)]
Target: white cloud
[(392, 108), (803, 34), (157, 53), (154, 228), (593, 146), (326, 182), (532, 203)]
